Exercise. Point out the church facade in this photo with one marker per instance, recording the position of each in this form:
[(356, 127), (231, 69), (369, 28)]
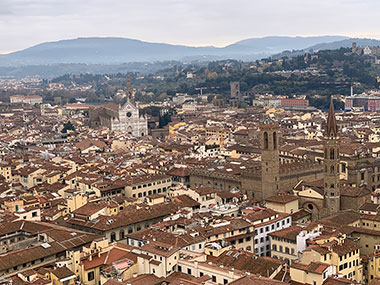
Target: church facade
[(125, 118)]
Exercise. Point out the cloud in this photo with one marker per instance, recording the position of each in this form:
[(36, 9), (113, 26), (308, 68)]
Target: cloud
[(195, 22)]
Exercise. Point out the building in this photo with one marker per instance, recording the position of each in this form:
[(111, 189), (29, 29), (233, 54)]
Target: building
[(331, 164), (26, 99), (265, 222), (125, 118), (330, 195), (259, 179), (289, 243), (314, 273), (364, 102)]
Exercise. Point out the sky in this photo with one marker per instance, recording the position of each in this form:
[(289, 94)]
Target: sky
[(24, 23)]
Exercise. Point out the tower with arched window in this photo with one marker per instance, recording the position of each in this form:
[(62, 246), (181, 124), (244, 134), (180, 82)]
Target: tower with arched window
[(270, 162), (331, 165)]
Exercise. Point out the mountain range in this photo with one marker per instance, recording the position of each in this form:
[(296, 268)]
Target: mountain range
[(75, 54), (121, 50)]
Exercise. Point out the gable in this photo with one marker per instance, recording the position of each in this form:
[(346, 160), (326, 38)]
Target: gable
[(310, 193)]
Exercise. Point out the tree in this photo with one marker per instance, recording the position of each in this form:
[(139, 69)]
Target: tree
[(68, 126)]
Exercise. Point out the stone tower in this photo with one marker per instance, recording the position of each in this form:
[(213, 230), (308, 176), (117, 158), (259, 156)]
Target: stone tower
[(129, 89), (270, 162), (354, 47), (235, 89), (331, 164)]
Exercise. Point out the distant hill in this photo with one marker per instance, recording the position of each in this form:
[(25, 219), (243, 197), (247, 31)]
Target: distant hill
[(122, 50), (271, 45), (347, 43)]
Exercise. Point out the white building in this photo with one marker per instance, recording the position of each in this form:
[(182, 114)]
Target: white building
[(125, 118), (266, 221), (26, 99)]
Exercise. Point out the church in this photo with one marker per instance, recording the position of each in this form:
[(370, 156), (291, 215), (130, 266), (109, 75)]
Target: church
[(316, 183), (330, 194), (125, 118)]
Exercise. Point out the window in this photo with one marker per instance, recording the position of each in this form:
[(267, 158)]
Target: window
[(90, 276), (332, 154), (274, 140), (214, 278), (266, 140)]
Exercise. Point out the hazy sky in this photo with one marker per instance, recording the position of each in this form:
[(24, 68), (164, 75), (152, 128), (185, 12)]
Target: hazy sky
[(192, 22)]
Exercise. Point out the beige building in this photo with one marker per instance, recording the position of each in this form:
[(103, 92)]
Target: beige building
[(142, 186), (102, 261), (313, 273), (344, 254), (5, 171), (283, 203), (287, 244), (26, 99)]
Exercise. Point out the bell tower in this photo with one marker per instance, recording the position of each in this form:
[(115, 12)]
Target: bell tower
[(331, 164), (129, 89), (270, 162)]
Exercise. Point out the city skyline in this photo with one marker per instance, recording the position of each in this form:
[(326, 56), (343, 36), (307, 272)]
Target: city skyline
[(196, 23)]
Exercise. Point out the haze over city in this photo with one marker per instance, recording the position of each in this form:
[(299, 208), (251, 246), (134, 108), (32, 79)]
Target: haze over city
[(24, 23)]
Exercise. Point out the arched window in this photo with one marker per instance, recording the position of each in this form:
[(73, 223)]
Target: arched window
[(121, 234), (113, 237), (266, 140), (332, 154), (274, 140), (332, 169)]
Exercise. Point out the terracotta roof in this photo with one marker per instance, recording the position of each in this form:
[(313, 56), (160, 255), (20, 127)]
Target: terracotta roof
[(289, 233), (343, 218), (144, 279), (247, 262), (314, 267), (85, 144), (375, 281), (256, 280), (371, 207), (63, 272), (181, 172), (105, 258), (282, 198)]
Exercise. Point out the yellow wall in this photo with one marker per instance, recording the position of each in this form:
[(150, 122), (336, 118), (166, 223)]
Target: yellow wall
[(305, 278), (289, 208)]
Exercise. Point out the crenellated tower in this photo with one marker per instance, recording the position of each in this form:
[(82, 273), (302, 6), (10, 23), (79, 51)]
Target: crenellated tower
[(270, 161)]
